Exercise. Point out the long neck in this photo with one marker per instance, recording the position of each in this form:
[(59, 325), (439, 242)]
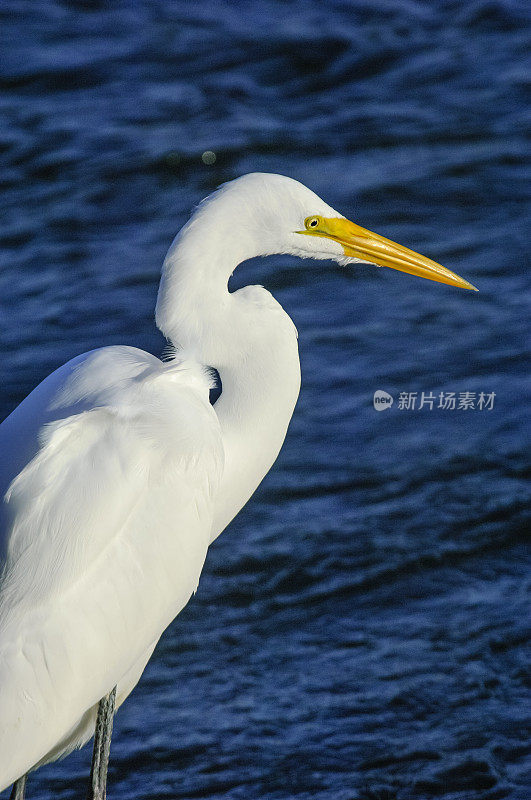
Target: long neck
[(252, 343)]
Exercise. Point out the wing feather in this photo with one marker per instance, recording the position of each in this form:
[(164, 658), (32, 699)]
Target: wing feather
[(105, 530)]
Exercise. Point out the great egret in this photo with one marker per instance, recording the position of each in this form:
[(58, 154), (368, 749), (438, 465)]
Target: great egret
[(116, 472)]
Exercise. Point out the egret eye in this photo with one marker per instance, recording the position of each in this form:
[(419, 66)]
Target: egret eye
[(311, 222)]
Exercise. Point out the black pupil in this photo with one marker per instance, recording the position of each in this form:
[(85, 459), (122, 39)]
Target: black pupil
[(313, 223)]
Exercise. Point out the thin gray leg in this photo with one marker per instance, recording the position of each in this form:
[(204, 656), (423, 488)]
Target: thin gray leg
[(102, 747), (18, 791)]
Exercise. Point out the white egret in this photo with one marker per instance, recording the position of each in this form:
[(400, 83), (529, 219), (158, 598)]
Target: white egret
[(117, 473)]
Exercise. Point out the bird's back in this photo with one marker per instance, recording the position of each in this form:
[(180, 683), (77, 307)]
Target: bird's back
[(108, 472)]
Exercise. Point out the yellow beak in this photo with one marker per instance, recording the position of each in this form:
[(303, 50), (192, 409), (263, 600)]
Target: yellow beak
[(360, 243)]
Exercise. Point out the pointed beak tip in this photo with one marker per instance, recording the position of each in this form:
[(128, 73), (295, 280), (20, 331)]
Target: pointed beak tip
[(467, 285)]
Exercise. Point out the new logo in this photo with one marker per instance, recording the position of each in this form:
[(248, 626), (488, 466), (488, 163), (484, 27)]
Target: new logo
[(382, 400)]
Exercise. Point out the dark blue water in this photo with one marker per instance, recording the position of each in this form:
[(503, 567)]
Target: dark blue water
[(359, 632)]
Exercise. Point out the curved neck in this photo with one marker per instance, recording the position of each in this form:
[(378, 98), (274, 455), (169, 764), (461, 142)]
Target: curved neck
[(259, 393), (250, 340)]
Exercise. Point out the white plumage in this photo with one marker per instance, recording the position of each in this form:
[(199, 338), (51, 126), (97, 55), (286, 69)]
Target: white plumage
[(109, 524), (116, 472)]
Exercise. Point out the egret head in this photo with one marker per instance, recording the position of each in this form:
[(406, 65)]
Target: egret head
[(274, 214)]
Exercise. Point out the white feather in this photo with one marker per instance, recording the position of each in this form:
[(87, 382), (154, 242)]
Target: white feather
[(105, 532)]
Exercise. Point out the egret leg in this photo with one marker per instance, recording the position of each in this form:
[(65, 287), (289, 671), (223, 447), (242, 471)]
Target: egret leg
[(102, 747), (18, 791)]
